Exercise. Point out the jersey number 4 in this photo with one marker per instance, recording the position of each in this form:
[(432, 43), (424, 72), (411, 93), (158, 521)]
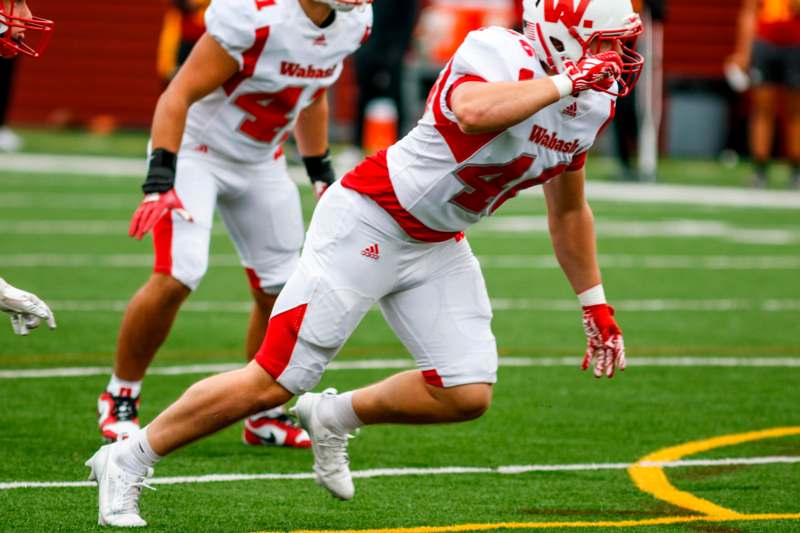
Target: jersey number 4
[(269, 112), (491, 185)]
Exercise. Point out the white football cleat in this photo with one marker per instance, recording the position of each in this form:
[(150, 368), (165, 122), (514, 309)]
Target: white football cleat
[(118, 489), (331, 463)]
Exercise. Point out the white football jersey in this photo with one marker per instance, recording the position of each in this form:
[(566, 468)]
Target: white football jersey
[(446, 179), (285, 62)]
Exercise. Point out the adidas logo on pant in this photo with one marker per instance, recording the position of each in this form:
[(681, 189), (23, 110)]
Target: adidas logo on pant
[(373, 252)]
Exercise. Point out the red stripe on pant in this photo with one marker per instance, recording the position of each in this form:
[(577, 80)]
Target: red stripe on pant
[(432, 377), (252, 278), (278, 345), (162, 244)]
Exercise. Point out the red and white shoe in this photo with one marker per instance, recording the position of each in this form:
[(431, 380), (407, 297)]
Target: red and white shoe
[(274, 428), (117, 416)]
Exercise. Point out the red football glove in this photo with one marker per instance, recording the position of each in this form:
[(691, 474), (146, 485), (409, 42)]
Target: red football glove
[(604, 341), (153, 207), (595, 72)]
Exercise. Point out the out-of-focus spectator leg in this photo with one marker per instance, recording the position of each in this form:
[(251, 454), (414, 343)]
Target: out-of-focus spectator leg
[(762, 128), (793, 135)]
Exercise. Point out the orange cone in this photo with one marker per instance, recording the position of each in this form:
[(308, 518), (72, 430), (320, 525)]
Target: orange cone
[(380, 125)]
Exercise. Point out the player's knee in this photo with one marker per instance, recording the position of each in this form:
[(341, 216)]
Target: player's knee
[(264, 300), (265, 392), (470, 401), (167, 287), (190, 268)]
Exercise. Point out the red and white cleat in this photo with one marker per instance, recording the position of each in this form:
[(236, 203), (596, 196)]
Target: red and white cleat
[(274, 428), (117, 416)]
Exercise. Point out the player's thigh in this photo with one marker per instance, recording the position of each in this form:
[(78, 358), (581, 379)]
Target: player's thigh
[(181, 247), (792, 59), (265, 222), (326, 297), (446, 323), (765, 64)]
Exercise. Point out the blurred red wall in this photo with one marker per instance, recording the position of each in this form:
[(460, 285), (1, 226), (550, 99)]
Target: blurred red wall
[(101, 61), (698, 35)]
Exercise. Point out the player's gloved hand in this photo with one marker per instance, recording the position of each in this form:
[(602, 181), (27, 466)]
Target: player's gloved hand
[(320, 171), (159, 194), (154, 206), (25, 308), (604, 341), (595, 72)]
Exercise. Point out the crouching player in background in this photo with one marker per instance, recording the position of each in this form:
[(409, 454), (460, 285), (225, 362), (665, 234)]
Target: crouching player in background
[(509, 111), (261, 70), (23, 33)]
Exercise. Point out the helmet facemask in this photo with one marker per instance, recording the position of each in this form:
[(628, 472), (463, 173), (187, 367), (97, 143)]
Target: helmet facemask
[(10, 47), (563, 37), (623, 42)]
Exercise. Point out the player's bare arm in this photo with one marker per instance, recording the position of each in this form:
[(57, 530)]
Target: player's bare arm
[(207, 68), (482, 107), (311, 134), (571, 225), (745, 34)]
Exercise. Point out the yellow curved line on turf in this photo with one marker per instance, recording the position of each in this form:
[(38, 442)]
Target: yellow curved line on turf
[(653, 480), (667, 520)]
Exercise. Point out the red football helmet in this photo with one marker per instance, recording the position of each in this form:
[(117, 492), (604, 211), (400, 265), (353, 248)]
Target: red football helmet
[(563, 32), (12, 42)]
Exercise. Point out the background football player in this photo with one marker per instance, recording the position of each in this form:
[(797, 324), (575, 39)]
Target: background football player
[(17, 26), (259, 72), (509, 111), (21, 32), (26, 309)]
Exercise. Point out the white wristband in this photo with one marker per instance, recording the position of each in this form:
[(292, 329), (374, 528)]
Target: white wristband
[(563, 84), (594, 296)]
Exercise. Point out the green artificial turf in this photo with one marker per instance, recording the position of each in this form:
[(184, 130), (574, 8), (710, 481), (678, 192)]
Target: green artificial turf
[(541, 415)]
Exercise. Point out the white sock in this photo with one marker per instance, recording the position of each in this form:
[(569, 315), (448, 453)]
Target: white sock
[(337, 414), (136, 452), (121, 387)]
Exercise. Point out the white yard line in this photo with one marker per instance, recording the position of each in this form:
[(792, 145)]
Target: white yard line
[(498, 304), (435, 471), (538, 262), (513, 225), (112, 167), (118, 228), (609, 191), (391, 364), (500, 226)]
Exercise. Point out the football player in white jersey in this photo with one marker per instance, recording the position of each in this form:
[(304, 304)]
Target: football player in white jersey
[(23, 33), (260, 72), (509, 111)]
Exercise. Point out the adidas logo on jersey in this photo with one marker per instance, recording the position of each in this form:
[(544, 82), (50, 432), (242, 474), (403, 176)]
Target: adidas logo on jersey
[(309, 71), (571, 110), (549, 140), (320, 41), (373, 252)]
